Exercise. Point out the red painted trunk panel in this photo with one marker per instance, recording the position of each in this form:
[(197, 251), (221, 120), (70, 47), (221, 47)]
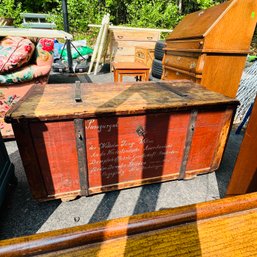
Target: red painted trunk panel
[(57, 155), (205, 140), (124, 156)]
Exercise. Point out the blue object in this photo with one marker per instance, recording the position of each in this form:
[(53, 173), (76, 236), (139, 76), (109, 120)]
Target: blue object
[(57, 48), (248, 113)]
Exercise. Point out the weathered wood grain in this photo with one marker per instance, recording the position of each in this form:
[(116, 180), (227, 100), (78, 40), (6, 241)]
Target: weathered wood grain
[(56, 101)]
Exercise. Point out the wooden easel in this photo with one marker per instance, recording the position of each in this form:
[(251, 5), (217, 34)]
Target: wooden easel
[(100, 45)]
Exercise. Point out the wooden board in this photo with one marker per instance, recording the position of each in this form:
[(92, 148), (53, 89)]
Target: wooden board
[(225, 227), (244, 176), (197, 24)]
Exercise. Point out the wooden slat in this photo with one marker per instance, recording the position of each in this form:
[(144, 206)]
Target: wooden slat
[(112, 27), (57, 102)]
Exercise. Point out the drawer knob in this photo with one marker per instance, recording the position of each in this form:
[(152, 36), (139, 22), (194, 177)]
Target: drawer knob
[(140, 131), (192, 65), (120, 37), (149, 38), (177, 73), (141, 55)]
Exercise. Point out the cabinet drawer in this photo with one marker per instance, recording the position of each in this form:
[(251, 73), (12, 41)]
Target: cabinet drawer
[(123, 58), (136, 35), (170, 73), (191, 63), (128, 47), (185, 45)]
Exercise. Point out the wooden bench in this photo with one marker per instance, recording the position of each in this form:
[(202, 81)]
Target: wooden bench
[(225, 227), (37, 20)]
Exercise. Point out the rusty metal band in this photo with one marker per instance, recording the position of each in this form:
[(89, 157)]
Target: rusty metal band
[(82, 155), (188, 143), (78, 92)]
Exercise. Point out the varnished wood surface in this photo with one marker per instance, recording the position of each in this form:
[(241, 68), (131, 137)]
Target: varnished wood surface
[(197, 24), (225, 227), (56, 101), (223, 73), (244, 176), (227, 27), (221, 37), (234, 32)]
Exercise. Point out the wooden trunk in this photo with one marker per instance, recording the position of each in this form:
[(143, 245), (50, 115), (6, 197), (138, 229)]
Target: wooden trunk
[(118, 135), (224, 227), (210, 46)]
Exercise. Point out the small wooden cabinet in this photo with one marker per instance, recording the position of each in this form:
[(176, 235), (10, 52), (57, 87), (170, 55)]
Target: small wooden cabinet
[(119, 135), (210, 46), (144, 55)]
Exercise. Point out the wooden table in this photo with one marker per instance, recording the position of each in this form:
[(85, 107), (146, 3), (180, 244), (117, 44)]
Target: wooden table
[(224, 228), (121, 69), (24, 32)]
